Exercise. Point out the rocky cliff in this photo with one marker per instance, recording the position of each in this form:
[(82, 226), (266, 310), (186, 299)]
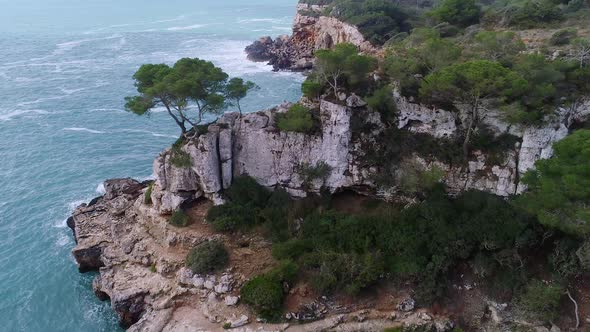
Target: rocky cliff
[(252, 145), (140, 258), (311, 31)]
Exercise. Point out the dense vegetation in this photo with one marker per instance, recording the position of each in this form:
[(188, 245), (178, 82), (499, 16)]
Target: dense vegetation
[(463, 56), (423, 243), (207, 257)]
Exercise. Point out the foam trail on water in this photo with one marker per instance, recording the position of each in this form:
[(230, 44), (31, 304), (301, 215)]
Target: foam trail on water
[(92, 131), (11, 115), (189, 27)]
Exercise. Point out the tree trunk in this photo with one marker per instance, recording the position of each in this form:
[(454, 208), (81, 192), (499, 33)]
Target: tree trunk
[(178, 122), (472, 123)]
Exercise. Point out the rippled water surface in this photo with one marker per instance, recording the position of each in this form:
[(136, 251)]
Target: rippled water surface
[(65, 67)]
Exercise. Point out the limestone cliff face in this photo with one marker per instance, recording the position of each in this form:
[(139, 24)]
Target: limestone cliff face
[(253, 146), (311, 32)]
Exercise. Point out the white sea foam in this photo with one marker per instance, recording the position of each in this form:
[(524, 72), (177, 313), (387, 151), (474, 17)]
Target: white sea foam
[(92, 131), (68, 46), (268, 20), (147, 132), (146, 178), (73, 205), (100, 189), (61, 223), (64, 240), (118, 110), (188, 27), (15, 113)]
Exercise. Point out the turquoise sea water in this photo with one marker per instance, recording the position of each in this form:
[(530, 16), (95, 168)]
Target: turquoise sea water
[(65, 67)]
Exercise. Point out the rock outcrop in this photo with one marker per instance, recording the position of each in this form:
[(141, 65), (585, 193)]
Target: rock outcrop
[(141, 263), (252, 145), (311, 32)]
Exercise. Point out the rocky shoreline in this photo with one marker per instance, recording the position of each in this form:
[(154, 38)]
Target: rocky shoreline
[(311, 32), (141, 263), (140, 256)]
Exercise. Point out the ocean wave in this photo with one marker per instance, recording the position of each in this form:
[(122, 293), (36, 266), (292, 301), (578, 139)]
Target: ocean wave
[(92, 131), (97, 30), (70, 45), (11, 115), (267, 20), (147, 132), (188, 27), (118, 110), (64, 240)]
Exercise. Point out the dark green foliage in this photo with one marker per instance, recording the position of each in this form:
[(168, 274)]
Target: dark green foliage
[(189, 83), (297, 119), (231, 217), (563, 37), (237, 89), (497, 46), (179, 219), (275, 215), (180, 158), (534, 13), (399, 143), (382, 101), (470, 83), (458, 12), (207, 257), (344, 67), (422, 53), (265, 293), (559, 188), (291, 249), (147, 197), (348, 271), (564, 258), (320, 171), (245, 190), (541, 301), (495, 147), (377, 20), (312, 88)]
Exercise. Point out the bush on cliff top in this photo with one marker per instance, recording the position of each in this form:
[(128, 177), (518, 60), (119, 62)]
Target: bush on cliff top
[(297, 119), (207, 257), (179, 218), (265, 293)]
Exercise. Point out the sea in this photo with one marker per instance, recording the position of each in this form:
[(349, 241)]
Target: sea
[(65, 69)]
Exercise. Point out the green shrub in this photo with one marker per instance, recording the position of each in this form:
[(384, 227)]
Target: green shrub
[(535, 13), (265, 295), (382, 101), (147, 197), (541, 301), (179, 218), (180, 158), (285, 271), (291, 249), (309, 174), (231, 217), (297, 119), (312, 88), (265, 292), (207, 257), (246, 191), (563, 37), (458, 12)]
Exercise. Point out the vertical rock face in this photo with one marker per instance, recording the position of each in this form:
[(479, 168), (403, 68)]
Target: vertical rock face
[(252, 145), (311, 32)]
